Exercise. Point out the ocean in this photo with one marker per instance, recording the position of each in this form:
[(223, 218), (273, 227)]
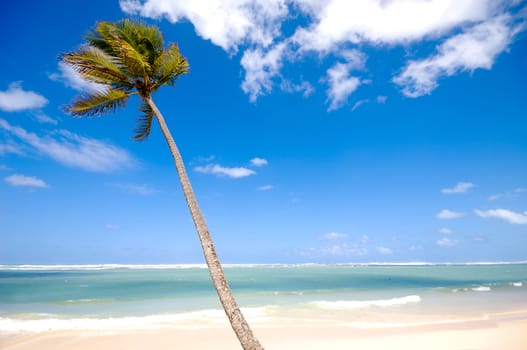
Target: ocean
[(106, 297)]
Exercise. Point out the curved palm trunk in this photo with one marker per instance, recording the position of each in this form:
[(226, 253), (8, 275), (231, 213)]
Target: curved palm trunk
[(236, 318)]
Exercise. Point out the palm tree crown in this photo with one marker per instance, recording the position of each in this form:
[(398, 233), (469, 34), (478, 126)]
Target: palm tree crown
[(127, 58)]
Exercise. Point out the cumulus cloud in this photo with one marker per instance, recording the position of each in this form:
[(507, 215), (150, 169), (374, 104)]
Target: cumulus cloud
[(261, 67), (16, 99), (232, 172), (449, 214), (341, 83), (258, 162), (384, 250), (74, 150), (468, 35), (476, 48), (445, 231), (227, 24), (459, 188), (304, 87), (504, 214), (446, 242), (26, 181)]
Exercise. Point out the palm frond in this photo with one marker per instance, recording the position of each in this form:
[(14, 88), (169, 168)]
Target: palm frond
[(144, 122), (170, 65), (98, 103), (96, 66), (122, 40), (127, 57), (130, 59), (152, 43)]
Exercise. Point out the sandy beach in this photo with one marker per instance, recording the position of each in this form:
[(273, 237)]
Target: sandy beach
[(496, 332)]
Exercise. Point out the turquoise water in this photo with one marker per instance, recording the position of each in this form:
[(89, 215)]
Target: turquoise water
[(29, 293)]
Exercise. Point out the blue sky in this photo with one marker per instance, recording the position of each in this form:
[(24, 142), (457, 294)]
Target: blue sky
[(312, 131)]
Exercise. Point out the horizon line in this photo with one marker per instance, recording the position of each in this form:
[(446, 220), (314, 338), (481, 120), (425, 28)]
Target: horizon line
[(110, 266)]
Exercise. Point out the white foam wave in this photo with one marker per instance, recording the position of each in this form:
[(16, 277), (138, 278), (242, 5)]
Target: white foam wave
[(482, 289), (277, 265), (97, 267), (189, 319), (517, 284), (358, 304)]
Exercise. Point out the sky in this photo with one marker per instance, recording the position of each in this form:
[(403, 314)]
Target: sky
[(326, 131)]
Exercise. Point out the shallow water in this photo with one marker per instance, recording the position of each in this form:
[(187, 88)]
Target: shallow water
[(61, 297)]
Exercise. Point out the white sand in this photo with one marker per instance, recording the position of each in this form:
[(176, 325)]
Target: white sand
[(498, 332)]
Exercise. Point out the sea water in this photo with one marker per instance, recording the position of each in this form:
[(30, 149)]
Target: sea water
[(41, 298)]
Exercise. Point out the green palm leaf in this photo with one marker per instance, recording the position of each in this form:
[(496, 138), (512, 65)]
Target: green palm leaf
[(98, 103), (95, 66), (170, 65), (144, 122)]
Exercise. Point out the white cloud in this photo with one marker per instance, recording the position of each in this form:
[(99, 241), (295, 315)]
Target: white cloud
[(344, 250), (334, 235), (10, 147), (476, 48), (216, 169), (74, 150), (258, 162), (359, 103), (265, 188), (445, 231), (261, 66), (144, 190), (459, 188), (470, 33), (448, 214), (15, 99), (384, 250), (504, 214), (69, 77), (381, 99), (226, 23), (389, 22), (45, 119), (341, 85), (23, 180), (304, 87), (446, 242), (511, 194)]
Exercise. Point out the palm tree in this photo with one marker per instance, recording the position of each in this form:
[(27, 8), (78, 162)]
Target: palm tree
[(129, 58)]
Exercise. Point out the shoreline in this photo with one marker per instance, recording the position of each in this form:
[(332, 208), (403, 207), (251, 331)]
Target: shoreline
[(494, 332)]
